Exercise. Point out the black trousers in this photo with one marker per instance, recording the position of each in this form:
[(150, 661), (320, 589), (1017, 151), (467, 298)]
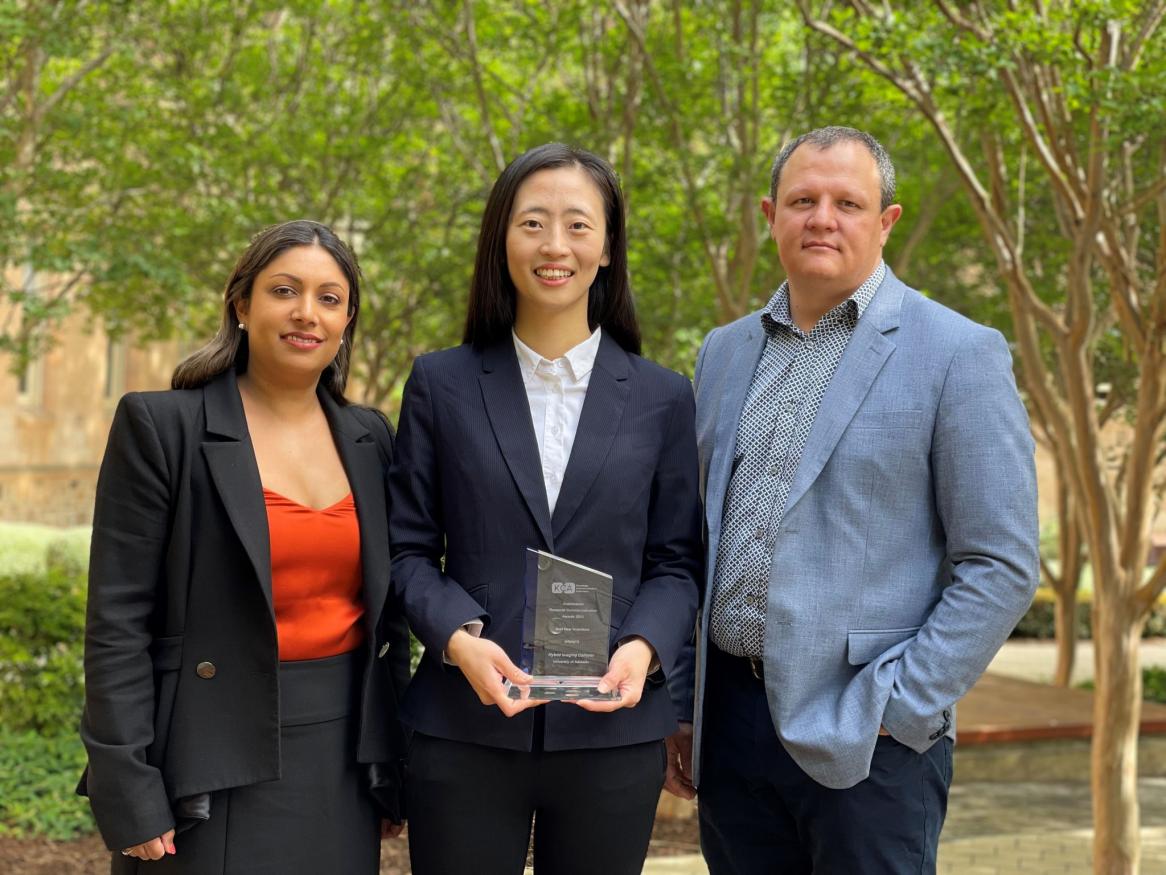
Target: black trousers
[(760, 813), (471, 808)]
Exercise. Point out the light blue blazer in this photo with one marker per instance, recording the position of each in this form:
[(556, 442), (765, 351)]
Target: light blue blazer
[(908, 550)]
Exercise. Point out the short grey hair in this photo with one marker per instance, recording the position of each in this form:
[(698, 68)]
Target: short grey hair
[(824, 138)]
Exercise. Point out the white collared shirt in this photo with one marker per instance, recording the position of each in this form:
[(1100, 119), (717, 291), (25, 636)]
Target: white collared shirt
[(556, 391)]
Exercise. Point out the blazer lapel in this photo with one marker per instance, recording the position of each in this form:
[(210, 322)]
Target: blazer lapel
[(607, 394), (866, 353), (362, 463), (231, 460), (507, 406), (735, 386)]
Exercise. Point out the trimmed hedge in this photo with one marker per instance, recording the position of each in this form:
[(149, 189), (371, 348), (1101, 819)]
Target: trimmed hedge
[(1040, 620), (1154, 683), (42, 634)]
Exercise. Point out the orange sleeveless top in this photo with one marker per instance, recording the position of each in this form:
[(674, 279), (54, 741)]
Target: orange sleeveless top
[(315, 577)]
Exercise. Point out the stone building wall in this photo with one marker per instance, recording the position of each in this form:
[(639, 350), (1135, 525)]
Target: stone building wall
[(55, 418)]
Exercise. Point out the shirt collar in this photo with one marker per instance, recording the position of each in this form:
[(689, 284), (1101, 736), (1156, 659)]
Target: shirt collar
[(777, 310), (580, 358)]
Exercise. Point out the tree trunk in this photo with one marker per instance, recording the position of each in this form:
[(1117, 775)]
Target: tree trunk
[(1072, 563), (1117, 709), (1066, 634)]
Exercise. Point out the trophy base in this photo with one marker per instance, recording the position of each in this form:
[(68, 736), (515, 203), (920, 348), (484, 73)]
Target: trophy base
[(560, 688)]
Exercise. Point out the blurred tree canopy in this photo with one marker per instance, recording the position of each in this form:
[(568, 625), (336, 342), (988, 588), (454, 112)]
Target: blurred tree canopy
[(142, 144)]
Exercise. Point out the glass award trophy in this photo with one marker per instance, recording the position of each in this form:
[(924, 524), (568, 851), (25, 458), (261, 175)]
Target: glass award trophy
[(566, 630)]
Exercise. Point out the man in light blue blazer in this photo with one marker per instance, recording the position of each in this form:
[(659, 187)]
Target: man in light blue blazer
[(871, 509)]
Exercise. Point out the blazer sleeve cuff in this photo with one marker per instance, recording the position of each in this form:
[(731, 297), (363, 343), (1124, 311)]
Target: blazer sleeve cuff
[(125, 825), (474, 627), (437, 637), (917, 733)]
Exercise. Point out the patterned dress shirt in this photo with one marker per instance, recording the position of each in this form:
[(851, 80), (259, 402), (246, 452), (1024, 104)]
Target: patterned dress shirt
[(780, 407)]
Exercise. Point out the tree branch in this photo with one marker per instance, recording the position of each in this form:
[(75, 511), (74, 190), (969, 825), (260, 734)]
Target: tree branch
[(994, 160), (827, 29), (1149, 592), (962, 23), (483, 101), (1053, 580), (928, 212), (1144, 198), (1057, 175), (73, 80), (692, 189), (1151, 18)]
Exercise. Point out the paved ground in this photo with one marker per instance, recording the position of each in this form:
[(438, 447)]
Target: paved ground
[(1035, 660), (1022, 828), (1001, 829)]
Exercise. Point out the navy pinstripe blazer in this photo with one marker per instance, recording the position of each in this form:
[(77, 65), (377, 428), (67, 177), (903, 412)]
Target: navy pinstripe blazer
[(467, 488)]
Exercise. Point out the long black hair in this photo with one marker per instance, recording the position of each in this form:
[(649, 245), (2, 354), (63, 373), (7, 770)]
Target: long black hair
[(492, 295), (228, 348)]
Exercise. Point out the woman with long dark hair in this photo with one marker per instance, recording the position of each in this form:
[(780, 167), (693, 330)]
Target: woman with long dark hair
[(544, 430), (242, 661)]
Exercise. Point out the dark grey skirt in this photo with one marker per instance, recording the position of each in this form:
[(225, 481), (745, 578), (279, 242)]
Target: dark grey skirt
[(317, 818)]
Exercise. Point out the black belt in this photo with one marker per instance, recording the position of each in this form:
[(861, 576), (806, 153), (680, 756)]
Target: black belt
[(752, 667)]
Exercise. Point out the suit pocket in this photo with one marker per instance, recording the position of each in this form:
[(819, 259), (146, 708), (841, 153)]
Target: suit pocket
[(619, 611), (166, 654), (867, 645)]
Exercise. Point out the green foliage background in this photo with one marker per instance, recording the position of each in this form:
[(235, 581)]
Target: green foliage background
[(42, 625), (142, 144)]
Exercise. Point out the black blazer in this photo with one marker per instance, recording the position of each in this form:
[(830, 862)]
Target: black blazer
[(180, 574), (467, 485)]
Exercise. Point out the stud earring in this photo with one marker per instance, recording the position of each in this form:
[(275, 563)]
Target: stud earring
[(242, 326)]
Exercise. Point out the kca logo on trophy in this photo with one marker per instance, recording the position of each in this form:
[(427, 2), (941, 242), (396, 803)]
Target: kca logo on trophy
[(566, 630)]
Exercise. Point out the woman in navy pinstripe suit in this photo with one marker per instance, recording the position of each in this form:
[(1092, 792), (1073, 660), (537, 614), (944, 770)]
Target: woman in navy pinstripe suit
[(545, 429)]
